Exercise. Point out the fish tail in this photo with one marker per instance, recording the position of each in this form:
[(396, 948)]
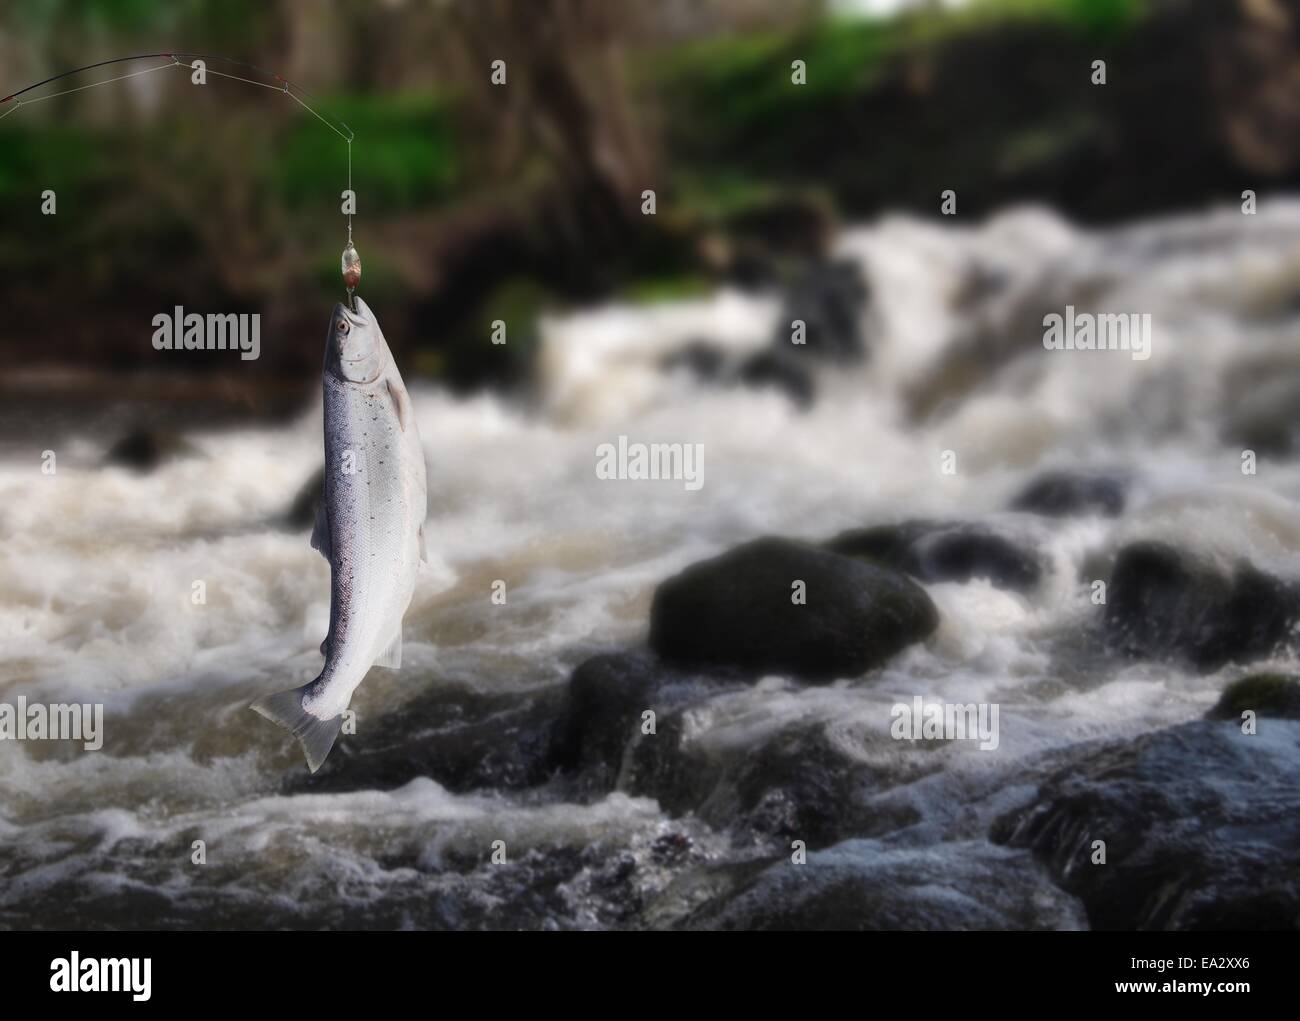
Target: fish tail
[(285, 709)]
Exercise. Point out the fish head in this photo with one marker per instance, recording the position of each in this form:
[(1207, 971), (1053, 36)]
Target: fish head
[(355, 349)]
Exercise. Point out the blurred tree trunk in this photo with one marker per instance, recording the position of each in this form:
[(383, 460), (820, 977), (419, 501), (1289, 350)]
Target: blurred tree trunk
[(1255, 72), (566, 99)]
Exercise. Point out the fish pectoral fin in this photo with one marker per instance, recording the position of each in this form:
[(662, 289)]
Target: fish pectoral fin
[(325, 647), (392, 656), (320, 534), (401, 403)]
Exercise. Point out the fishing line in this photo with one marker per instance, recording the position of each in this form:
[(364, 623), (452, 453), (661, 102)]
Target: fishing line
[(351, 261), (82, 88)]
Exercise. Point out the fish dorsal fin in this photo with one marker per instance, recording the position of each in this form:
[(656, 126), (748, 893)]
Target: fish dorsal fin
[(320, 533), (401, 402), (392, 656)]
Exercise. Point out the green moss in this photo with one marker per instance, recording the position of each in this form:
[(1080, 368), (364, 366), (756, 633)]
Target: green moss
[(518, 303), (1267, 694), (652, 290), (52, 155), (469, 355), (1087, 16), (726, 92), (1044, 144), (1103, 16), (742, 84), (718, 195), (404, 154), (232, 27), (70, 162)]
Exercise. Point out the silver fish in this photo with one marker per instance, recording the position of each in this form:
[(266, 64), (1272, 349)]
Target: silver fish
[(370, 527)]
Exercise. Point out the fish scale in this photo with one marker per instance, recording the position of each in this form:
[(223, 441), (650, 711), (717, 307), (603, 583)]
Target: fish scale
[(369, 527)]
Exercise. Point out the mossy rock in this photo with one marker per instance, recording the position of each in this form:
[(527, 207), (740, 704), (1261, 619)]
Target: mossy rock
[(1267, 694)]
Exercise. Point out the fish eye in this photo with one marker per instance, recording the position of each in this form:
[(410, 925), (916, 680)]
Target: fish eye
[(343, 326)]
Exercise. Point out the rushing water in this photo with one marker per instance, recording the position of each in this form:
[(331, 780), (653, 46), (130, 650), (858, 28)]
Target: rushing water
[(97, 567)]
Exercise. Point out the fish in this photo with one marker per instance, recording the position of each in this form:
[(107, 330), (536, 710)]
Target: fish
[(369, 527)]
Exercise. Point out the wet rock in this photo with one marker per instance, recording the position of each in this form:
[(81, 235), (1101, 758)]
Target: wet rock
[(1162, 602), (866, 885), (938, 551), (702, 359), (302, 512), (773, 369), (780, 371), (829, 298), (737, 611), (1268, 695), (601, 715), (462, 739), (1201, 825), (794, 782), (146, 449), (671, 849), (1264, 419), (1061, 494)]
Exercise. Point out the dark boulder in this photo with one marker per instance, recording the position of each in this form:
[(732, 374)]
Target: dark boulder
[(1162, 602), (798, 784), (461, 738), (1261, 415), (704, 360), (780, 371), (1201, 825), (738, 611), (937, 551), (768, 368), (794, 783), (867, 885), (1060, 494), (829, 298), (146, 449), (601, 715)]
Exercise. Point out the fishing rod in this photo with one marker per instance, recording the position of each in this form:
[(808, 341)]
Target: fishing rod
[(351, 261)]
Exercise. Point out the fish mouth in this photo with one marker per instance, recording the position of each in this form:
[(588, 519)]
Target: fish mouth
[(359, 358), (358, 318)]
